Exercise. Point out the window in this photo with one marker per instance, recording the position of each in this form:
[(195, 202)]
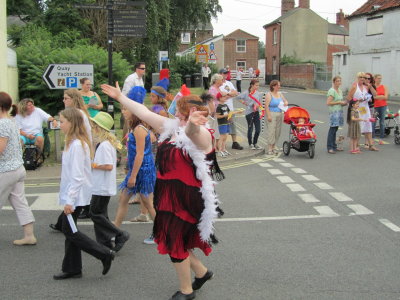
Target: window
[(275, 37), (274, 65), (344, 59), (185, 38), (375, 25), (240, 45), (241, 64)]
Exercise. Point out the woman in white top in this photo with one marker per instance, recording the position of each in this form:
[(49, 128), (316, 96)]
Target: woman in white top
[(12, 172), (75, 192), (359, 91)]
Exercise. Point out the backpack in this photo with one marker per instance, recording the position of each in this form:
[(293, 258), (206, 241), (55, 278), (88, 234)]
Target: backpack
[(30, 157)]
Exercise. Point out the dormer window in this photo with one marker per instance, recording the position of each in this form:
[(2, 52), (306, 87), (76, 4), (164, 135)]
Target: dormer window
[(185, 38)]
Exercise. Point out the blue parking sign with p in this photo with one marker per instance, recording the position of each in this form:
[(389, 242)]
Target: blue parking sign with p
[(71, 82)]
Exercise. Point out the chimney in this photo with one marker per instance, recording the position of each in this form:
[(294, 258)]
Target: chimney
[(304, 4), (341, 19), (286, 6)]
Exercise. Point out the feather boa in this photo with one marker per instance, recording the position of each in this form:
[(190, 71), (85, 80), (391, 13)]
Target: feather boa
[(209, 214)]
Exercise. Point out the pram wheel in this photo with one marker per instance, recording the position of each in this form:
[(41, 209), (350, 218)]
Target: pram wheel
[(311, 150), (387, 131), (286, 148)]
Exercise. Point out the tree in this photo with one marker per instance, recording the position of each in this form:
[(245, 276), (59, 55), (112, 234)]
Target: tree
[(261, 50), (26, 10)]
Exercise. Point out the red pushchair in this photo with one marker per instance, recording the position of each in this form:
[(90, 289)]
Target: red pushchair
[(301, 136)]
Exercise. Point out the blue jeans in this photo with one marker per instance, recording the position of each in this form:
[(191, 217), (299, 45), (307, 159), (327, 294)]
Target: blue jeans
[(381, 111), (331, 143), (253, 119)]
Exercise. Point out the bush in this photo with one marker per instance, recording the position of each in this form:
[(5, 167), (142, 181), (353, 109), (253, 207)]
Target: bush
[(39, 48), (185, 65)]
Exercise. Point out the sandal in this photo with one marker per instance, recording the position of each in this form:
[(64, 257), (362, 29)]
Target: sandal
[(331, 151), (380, 142), (372, 148), (367, 146)]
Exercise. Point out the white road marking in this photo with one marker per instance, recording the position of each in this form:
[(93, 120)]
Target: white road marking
[(340, 197), (285, 179), (308, 198), (359, 210), (325, 211), (45, 201), (279, 160), (294, 187), (323, 186), (310, 177), (265, 165), (318, 121), (298, 171), (287, 165), (390, 225), (275, 171)]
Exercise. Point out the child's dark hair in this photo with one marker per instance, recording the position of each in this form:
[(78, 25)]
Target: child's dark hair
[(351, 104), (206, 97)]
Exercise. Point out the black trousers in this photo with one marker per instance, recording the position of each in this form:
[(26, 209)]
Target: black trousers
[(239, 85), (77, 242), (253, 120), (103, 227), (59, 220), (206, 83)]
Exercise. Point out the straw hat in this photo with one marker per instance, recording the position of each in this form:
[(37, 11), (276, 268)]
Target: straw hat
[(104, 120)]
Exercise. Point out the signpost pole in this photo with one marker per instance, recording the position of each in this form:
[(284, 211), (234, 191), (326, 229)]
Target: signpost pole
[(110, 101)]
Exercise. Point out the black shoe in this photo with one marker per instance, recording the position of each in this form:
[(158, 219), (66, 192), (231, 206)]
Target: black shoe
[(84, 215), (179, 296), (54, 227), (64, 275), (120, 240), (107, 262), (235, 145), (198, 282)]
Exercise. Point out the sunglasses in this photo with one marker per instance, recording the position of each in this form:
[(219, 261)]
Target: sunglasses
[(142, 68)]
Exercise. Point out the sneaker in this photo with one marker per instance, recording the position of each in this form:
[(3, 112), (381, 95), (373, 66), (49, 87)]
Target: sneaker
[(227, 153), (252, 147), (222, 154), (256, 147), (235, 145), (149, 240), (140, 218)]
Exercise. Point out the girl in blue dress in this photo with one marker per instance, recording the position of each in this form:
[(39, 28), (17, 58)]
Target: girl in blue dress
[(141, 176)]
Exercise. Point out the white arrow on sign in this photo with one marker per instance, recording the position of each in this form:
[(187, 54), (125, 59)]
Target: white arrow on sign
[(65, 76)]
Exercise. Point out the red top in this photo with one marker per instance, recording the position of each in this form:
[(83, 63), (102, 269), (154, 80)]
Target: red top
[(380, 91)]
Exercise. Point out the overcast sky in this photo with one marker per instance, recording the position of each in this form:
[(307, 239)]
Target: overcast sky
[(251, 15)]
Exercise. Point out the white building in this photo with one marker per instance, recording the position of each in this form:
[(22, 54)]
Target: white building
[(374, 45)]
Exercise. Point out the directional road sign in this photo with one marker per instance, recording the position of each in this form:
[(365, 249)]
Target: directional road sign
[(65, 76)]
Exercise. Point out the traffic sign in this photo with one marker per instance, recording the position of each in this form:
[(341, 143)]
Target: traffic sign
[(201, 53), (212, 57), (162, 55), (212, 46), (65, 76)]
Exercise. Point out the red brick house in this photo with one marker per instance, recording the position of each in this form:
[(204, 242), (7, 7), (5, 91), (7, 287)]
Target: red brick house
[(240, 50), (194, 35)]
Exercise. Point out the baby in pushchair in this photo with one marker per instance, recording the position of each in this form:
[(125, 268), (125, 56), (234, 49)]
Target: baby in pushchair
[(304, 130)]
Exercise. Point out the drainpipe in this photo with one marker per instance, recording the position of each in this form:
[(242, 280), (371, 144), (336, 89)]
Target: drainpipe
[(280, 49)]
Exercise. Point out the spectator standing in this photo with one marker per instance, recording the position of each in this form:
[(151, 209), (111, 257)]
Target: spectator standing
[(228, 89), (380, 105), (216, 83), (205, 72), (91, 99), (239, 76), (12, 172), (228, 75), (335, 105), (273, 103), (257, 73), (251, 70)]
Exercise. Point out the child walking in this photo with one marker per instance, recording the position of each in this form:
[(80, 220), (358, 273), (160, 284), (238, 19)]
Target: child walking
[(104, 182), (75, 192), (141, 176), (354, 130)]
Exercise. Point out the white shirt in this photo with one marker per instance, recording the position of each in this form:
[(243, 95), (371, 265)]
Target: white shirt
[(239, 75), (205, 71), (76, 175), (105, 182), (131, 81), (227, 87), (86, 123), (33, 123)]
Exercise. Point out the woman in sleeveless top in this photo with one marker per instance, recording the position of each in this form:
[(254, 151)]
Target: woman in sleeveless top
[(380, 105), (359, 91), (274, 115), (91, 99)]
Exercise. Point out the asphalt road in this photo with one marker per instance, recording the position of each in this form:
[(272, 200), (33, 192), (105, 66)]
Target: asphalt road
[(294, 228)]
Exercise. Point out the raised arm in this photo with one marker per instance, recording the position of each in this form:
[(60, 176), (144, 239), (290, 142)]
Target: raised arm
[(154, 120), (196, 131)]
